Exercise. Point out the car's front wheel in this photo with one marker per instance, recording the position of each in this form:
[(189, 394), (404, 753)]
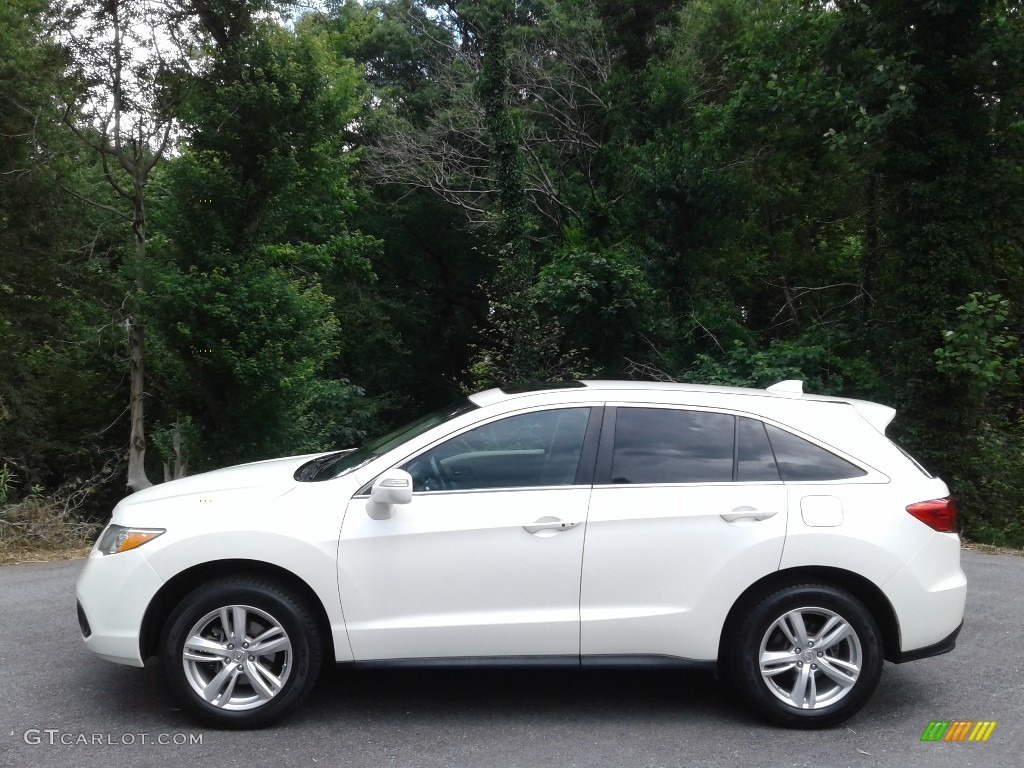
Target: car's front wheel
[(239, 653), (806, 656)]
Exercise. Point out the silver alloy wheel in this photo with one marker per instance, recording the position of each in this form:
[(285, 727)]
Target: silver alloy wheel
[(237, 657), (810, 658)]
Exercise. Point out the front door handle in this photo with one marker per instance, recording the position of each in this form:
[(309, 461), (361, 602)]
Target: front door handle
[(747, 513), (549, 525)]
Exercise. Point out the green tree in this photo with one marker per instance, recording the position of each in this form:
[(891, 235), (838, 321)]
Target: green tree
[(60, 355), (123, 110), (514, 146), (949, 223), (415, 321), (255, 222)]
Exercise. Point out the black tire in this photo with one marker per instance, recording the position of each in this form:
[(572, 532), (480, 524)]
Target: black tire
[(807, 675), (248, 690)]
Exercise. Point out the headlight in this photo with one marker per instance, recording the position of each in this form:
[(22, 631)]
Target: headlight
[(118, 538)]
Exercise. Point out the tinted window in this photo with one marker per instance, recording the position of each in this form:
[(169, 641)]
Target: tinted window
[(658, 445), (754, 458), (801, 461), (342, 463), (532, 449)]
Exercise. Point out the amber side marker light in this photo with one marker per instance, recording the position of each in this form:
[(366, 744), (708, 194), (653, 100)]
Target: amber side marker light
[(939, 514), (118, 538)]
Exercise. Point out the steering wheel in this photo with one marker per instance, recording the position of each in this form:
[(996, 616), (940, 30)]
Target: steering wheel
[(436, 475)]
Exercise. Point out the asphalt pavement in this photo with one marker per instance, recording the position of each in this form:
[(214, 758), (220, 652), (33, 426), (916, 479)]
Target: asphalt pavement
[(62, 706)]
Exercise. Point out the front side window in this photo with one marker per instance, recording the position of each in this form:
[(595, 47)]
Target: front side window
[(343, 462), (658, 445), (536, 449)]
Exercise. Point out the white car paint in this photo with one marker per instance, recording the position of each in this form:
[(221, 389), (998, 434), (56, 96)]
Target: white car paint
[(459, 572), (662, 565), (648, 570)]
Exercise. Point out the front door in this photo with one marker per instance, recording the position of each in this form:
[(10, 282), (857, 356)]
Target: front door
[(485, 560)]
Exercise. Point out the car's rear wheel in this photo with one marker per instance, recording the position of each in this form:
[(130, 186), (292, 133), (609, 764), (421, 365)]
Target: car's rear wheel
[(806, 656), (239, 653)]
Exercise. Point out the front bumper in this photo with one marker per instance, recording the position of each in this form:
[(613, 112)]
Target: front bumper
[(113, 593)]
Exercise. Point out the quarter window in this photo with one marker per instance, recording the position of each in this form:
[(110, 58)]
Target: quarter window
[(802, 461), (536, 449)]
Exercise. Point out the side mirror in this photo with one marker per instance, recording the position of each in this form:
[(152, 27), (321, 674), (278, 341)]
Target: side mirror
[(392, 487)]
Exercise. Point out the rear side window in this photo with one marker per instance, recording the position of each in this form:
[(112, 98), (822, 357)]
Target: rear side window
[(665, 446), (656, 445), (801, 461), (755, 460)]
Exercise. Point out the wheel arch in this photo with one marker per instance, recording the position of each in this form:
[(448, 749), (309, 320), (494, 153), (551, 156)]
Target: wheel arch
[(866, 591), (171, 593)]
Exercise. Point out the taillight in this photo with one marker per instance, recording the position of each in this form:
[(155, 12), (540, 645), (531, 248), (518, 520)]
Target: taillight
[(939, 514)]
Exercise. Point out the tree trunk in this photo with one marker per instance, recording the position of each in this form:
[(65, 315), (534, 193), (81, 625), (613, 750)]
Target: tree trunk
[(137, 479), (180, 463), (131, 147)]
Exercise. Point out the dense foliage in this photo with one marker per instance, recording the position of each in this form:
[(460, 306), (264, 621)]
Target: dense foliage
[(352, 211)]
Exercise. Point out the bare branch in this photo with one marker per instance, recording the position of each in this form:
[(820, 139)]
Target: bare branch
[(646, 372), (121, 215), (557, 82)]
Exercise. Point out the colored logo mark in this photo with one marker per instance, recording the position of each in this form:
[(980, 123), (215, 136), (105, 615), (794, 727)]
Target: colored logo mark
[(958, 730)]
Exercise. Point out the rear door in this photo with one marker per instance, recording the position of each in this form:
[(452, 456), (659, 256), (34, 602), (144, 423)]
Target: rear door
[(687, 511)]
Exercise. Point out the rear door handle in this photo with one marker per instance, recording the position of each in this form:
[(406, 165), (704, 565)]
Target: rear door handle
[(549, 525), (748, 513)]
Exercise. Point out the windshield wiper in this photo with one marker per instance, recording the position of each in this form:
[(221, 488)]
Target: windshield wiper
[(311, 469)]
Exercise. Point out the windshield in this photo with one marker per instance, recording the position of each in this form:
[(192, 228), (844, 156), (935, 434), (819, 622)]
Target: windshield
[(338, 464)]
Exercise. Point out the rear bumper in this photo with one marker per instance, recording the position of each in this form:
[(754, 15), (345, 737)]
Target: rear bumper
[(928, 596), (945, 645)]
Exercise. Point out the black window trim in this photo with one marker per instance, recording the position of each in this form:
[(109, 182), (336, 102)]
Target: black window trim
[(603, 465), (736, 448), (588, 455)]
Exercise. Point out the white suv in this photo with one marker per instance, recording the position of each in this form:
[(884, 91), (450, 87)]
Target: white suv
[(778, 537)]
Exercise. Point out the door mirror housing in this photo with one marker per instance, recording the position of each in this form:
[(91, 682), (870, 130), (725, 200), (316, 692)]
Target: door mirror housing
[(392, 487)]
